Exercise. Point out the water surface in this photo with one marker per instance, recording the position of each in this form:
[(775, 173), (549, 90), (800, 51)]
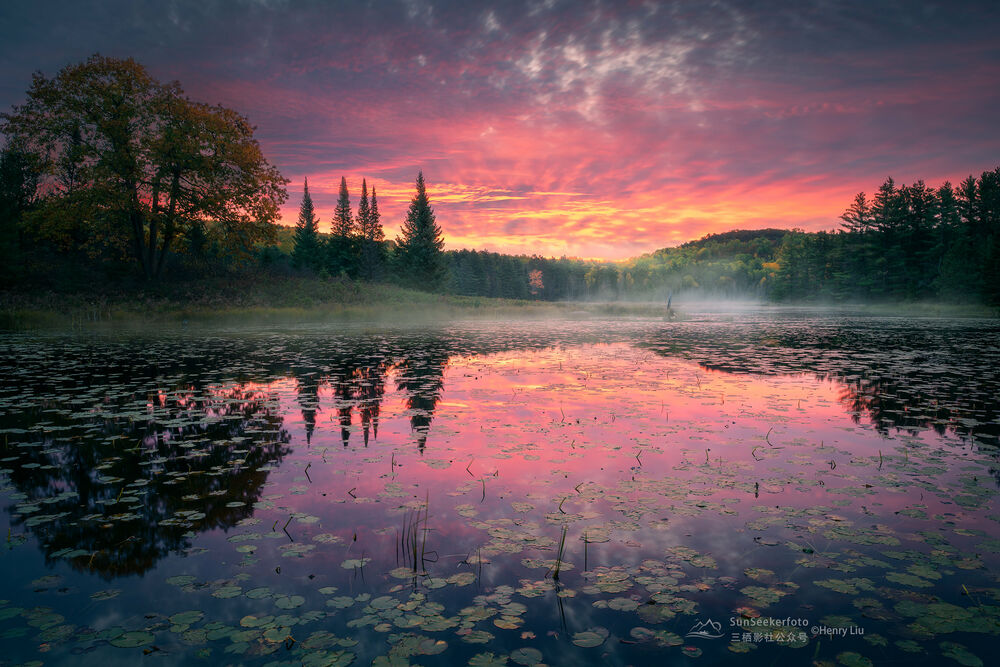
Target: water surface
[(727, 489)]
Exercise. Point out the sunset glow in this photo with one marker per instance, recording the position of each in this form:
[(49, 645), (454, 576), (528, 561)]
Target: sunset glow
[(605, 130)]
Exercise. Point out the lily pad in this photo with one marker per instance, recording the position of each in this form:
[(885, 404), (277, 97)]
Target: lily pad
[(289, 601), (590, 638), (132, 639), (526, 656)]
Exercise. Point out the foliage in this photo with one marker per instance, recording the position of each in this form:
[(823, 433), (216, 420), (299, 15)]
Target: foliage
[(18, 190), (130, 165)]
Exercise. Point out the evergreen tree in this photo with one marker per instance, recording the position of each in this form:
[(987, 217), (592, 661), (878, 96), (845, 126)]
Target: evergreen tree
[(306, 252), (343, 224), (885, 210), (371, 234), (420, 251), (343, 243), (989, 219), (948, 218), (919, 216), (968, 203), (858, 218), (364, 211), (377, 234)]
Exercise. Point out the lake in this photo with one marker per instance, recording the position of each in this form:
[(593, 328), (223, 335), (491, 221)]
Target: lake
[(732, 488)]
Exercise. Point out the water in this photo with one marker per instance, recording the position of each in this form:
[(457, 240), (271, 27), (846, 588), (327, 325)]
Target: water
[(728, 489)]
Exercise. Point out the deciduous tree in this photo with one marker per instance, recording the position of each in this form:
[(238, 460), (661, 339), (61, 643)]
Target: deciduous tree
[(134, 161)]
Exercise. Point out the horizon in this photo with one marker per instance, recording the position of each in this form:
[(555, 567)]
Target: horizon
[(605, 133)]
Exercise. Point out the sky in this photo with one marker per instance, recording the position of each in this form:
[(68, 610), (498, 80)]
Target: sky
[(592, 129)]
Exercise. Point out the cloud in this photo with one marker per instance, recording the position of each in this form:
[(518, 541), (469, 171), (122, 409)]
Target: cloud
[(598, 129)]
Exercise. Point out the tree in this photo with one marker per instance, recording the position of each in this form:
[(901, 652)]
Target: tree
[(342, 245), (133, 162), (858, 218), (18, 190), (371, 235), (306, 252), (420, 249), (885, 209)]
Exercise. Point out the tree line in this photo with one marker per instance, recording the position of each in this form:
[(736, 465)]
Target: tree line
[(905, 243)]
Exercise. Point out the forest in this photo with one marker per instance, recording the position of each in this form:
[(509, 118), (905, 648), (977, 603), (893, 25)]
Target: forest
[(110, 178)]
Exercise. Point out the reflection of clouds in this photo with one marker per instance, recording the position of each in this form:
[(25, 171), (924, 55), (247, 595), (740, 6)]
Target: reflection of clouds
[(506, 386)]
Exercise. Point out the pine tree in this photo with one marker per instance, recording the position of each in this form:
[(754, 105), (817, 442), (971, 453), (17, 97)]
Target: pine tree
[(885, 210), (364, 211), (343, 225), (372, 237), (376, 233), (343, 242), (421, 248), (306, 252), (858, 218)]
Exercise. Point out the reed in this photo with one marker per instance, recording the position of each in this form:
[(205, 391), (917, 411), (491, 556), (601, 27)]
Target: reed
[(559, 555)]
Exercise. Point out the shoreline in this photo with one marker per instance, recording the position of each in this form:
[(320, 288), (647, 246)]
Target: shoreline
[(307, 300)]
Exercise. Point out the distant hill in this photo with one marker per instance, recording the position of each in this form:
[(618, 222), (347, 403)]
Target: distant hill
[(742, 235)]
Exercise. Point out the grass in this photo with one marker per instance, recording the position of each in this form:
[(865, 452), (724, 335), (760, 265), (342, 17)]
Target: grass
[(269, 299), (262, 298)]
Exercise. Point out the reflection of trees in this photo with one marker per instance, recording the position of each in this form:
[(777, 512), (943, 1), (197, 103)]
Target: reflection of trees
[(127, 488), (308, 395), (421, 376), (361, 386), (889, 405), (356, 376), (898, 375), (370, 389), (122, 450)]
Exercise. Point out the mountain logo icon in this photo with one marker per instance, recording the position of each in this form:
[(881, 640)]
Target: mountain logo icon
[(708, 629)]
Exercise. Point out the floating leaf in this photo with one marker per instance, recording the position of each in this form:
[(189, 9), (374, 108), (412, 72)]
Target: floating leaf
[(132, 639), (187, 617), (590, 638), (960, 654), (851, 659), (289, 601), (526, 656), (227, 592)]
